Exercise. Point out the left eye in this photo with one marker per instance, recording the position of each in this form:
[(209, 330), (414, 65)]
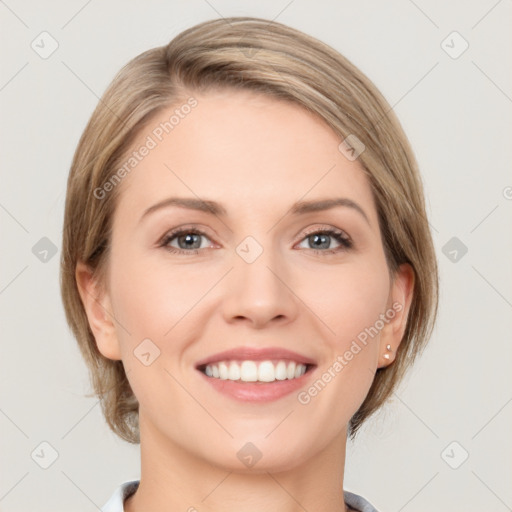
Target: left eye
[(322, 240)]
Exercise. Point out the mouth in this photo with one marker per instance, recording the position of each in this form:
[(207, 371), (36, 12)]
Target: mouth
[(256, 375), (255, 371)]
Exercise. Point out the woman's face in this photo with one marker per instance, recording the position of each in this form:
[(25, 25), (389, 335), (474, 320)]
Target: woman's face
[(258, 266)]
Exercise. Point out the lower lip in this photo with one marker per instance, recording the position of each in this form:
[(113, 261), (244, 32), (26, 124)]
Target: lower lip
[(258, 391)]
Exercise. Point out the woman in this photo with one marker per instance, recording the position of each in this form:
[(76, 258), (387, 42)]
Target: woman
[(247, 266)]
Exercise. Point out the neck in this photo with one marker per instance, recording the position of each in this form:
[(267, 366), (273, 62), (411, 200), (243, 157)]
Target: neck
[(174, 479)]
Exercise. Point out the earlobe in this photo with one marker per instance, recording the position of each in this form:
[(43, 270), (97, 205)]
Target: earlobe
[(400, 299), (99, 312)]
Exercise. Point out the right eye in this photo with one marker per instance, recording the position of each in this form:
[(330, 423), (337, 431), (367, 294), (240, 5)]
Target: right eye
[(188, 241)]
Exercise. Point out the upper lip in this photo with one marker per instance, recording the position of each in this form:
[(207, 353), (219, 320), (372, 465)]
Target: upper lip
[(255, 354)]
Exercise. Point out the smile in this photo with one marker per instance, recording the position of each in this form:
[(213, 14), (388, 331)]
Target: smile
[(255, 371), (256, 374)]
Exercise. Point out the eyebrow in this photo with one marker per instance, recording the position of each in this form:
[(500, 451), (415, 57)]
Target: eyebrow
[(299, 208)]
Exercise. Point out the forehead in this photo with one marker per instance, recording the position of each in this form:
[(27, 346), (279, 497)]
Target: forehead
[(242, 149)]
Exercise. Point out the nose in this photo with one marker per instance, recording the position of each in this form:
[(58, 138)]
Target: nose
[(260, 292)]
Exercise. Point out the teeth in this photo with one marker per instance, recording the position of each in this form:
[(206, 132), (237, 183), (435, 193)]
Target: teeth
[(223, 371), (234, 372), (281, 372), (248, 371), (266, 372), (290, 371), (251, 371)]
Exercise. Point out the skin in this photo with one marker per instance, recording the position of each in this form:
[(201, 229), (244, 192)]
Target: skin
[(256, 156)]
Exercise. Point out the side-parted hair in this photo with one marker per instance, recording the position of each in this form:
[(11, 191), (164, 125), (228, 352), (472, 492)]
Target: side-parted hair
[(272, 59)]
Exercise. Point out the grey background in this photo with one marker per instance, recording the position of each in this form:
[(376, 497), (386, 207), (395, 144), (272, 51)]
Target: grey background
[(457, 113)]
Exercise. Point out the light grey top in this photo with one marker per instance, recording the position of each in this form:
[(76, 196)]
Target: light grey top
[(116, 501)]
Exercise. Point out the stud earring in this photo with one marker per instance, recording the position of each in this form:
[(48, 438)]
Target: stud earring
[(387, 356)]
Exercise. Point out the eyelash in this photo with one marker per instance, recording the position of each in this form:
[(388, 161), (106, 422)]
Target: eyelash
[(345, 241)]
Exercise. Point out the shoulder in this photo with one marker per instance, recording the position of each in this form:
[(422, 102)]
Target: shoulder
[(358, 502), (116, 501)]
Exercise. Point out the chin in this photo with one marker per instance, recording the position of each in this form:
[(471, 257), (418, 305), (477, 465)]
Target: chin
[(260, 456)]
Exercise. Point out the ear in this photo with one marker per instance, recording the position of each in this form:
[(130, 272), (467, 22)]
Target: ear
[(399, 303), (98, 308)]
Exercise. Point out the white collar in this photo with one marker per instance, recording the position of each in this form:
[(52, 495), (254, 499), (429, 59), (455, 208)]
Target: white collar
[(116, 501)]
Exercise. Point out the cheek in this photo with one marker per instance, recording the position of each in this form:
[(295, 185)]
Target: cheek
[(150, 297), (154, 304), (351, 300), (351, 307)]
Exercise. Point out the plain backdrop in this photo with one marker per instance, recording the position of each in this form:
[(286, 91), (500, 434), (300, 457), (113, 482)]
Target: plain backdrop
[(444, 440)]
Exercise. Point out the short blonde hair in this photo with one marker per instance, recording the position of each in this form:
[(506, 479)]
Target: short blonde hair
[(272, 59)]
